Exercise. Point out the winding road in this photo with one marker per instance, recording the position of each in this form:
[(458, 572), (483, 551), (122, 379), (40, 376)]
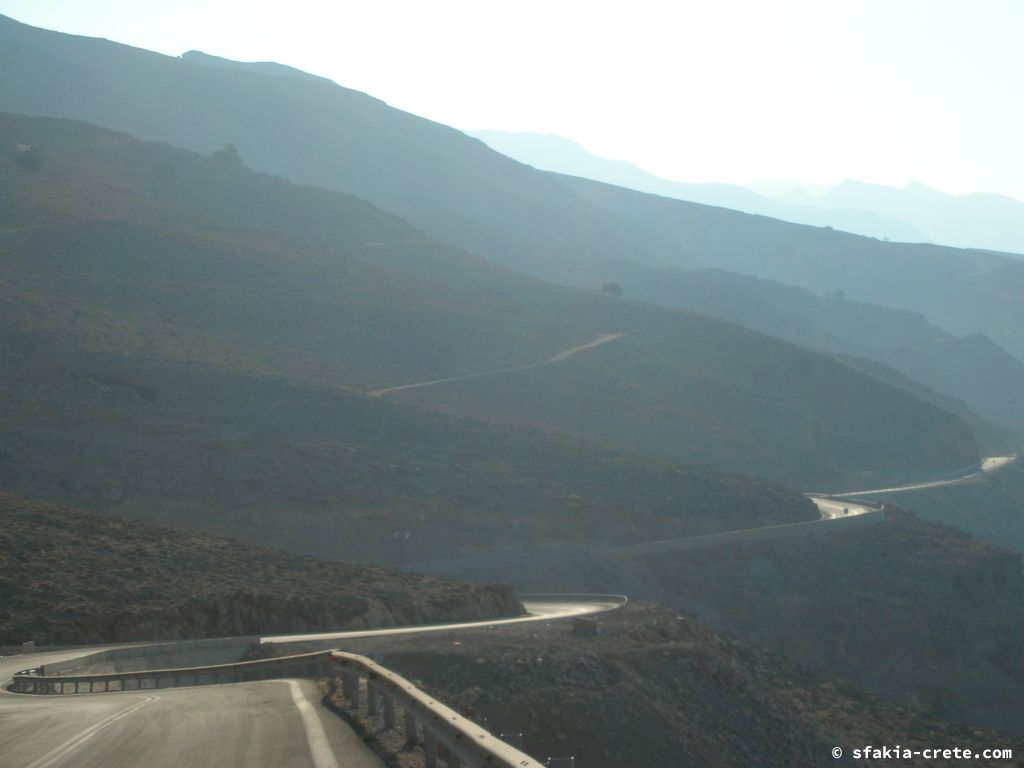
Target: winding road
[(280, 722), (603, 338), (275, 722), (974, 472)]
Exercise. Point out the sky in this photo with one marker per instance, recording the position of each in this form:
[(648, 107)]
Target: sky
[(885, 91)]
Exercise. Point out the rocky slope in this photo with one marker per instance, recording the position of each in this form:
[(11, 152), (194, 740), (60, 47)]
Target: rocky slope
[(160, 273), (991, 508), (922, 614), (656, 687), (69, 577)]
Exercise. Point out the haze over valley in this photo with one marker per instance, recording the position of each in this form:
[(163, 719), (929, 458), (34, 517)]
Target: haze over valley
[(296, 385)]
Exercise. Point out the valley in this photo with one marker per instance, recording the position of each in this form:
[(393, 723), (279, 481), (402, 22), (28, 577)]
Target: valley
[(591, 465)]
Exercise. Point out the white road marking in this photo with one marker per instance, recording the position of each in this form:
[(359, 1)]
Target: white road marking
[(316, 737), (74, 742)]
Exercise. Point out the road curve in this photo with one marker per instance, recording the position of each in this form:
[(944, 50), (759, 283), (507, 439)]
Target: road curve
[(982, 468), (833, 508), (274, 723), (536, 610)]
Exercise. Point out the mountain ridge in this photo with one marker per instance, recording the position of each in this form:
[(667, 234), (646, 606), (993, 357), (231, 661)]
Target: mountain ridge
[(456, 189), (561, 155)]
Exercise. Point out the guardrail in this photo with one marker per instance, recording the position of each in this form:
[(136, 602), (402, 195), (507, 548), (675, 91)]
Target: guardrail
[(467, 744), (299, 665)]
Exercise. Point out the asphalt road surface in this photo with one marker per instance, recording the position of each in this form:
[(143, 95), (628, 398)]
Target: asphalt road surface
[(991, 464), (274, 723), (832, 509), (537, 610)]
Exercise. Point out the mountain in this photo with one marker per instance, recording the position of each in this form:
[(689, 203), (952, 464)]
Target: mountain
[(962, 291), (58, 587), (456, 189), (171, 349), (972, 369), (260, 67), (977, 220), (554, 153), (160, 359), (147, 269)]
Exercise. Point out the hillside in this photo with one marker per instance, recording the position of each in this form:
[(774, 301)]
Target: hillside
[(58, 587), (962, 291), (972, 368), (162, 364), (922, 614), (656, 687), (989, 508), (456, 189), (139, 263)]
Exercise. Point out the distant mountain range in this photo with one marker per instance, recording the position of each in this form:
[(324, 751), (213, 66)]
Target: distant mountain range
[(978, 220), (554, 153), (915, 213)]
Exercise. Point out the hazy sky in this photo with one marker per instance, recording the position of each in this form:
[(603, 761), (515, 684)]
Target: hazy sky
[(886, 91)]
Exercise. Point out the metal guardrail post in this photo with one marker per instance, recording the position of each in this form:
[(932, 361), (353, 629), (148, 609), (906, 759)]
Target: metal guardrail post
[(410, 726), (355, 692), (465, 742), (349, 686), (371, 698), (429, 748)]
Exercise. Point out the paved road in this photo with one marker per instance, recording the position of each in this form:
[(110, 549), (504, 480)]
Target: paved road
[(537, 611), (272, 723), (564, 355), (986, 466), (833, 509), (275, 723)]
